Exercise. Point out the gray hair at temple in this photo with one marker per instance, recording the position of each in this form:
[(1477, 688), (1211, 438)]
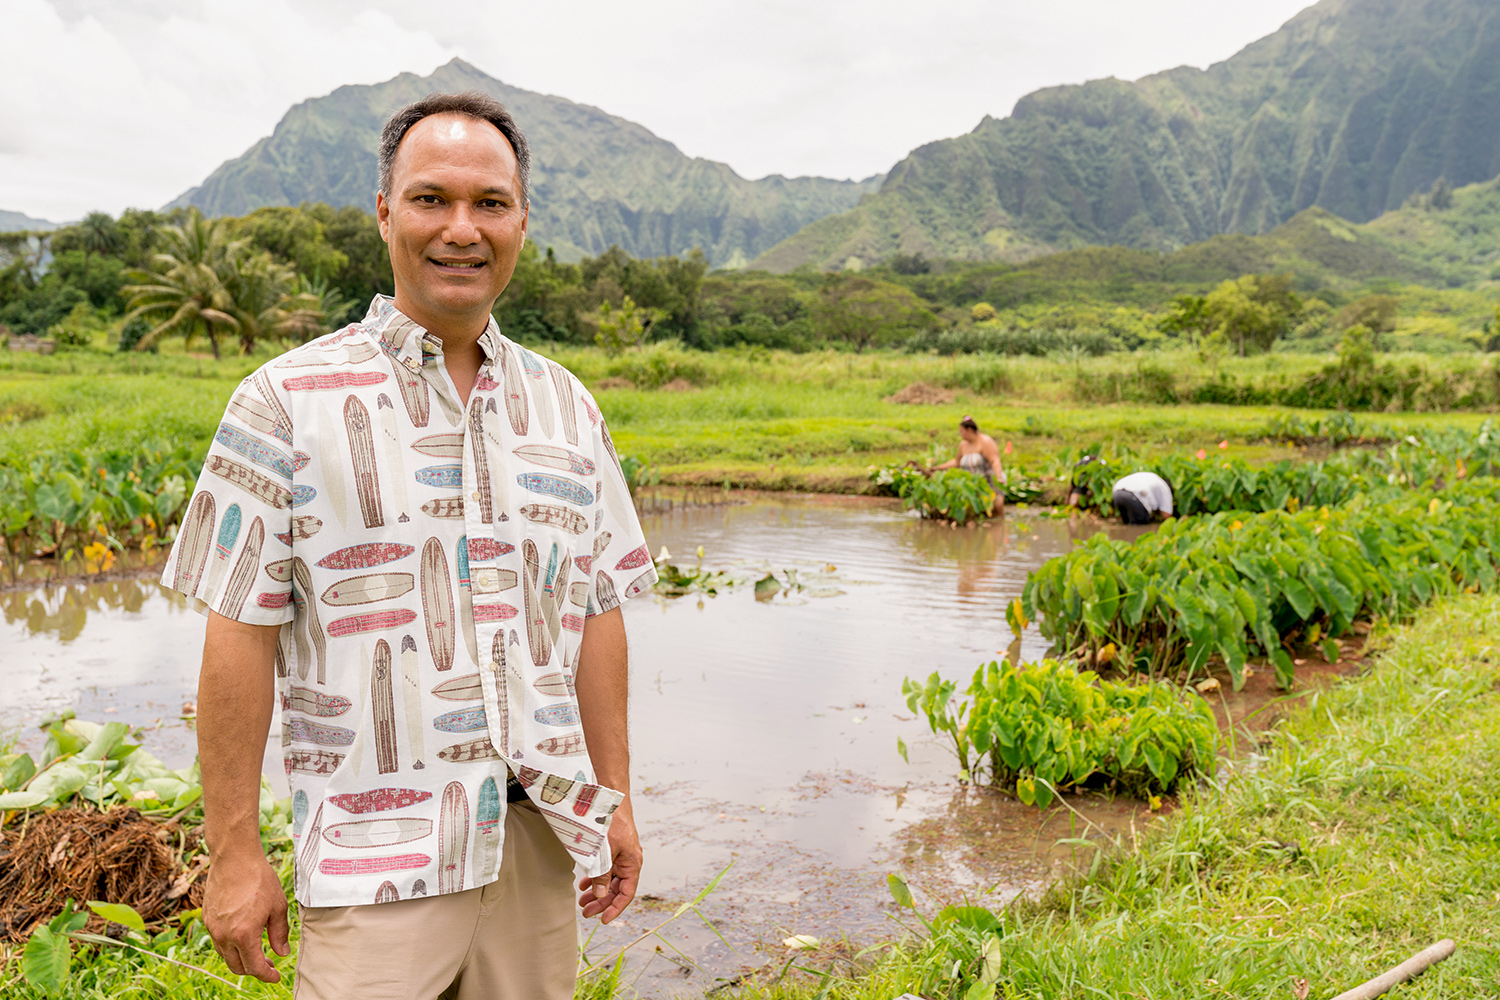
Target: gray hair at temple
[(470, 104)]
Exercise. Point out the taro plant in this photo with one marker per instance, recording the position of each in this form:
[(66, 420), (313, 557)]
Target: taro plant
[(951, 495), (1040, 728), (1234, 586)]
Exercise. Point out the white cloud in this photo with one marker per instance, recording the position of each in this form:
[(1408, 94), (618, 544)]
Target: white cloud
[(105, 105)]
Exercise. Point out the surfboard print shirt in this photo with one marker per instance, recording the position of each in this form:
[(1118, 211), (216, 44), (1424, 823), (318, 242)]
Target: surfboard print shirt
[(432, 566)]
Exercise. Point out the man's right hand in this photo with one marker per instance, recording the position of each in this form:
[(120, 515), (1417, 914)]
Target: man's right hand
[(243, 900)]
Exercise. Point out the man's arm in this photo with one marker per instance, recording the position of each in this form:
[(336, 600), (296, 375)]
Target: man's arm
[(602, 686), (236, 699)]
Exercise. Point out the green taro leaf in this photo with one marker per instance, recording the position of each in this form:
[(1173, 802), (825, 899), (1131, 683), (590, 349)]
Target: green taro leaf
[(119, 913), (1299, 597), (900, 892), (46, 959)]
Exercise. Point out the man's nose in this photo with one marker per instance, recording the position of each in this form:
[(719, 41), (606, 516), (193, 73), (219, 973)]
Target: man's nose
[(461, 230)]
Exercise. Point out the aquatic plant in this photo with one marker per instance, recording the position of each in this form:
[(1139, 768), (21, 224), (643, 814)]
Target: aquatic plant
[(1240, 585), (951, 495), (1040, 728)]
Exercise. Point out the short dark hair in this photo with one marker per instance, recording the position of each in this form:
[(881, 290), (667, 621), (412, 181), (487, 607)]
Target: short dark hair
[(471, 104), (969, 423)]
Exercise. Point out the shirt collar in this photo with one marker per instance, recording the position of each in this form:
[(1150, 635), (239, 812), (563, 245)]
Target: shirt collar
[(410, 343)]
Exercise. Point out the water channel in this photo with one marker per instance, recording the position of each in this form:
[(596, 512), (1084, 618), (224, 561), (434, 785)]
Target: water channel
[(764, 731)]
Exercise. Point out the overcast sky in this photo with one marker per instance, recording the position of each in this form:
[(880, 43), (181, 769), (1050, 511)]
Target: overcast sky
[(115, 103)]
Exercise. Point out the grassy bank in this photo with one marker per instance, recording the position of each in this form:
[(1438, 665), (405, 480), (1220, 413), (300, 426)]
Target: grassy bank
[(1365, 831), (764, 419)]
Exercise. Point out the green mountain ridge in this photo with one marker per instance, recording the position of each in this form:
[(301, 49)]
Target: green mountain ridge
[(597, 180), (15, 222), (1352, 106)]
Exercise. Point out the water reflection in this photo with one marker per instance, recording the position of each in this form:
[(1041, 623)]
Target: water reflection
[(763, 732)]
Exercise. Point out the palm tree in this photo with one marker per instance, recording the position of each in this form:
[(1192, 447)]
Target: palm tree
[(184, 292), (98, 233), (268, 301)]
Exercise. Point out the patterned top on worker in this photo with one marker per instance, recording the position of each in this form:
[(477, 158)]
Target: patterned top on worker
[(431, 565)]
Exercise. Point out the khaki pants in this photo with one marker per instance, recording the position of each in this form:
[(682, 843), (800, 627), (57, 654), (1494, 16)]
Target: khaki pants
[(514, 939)]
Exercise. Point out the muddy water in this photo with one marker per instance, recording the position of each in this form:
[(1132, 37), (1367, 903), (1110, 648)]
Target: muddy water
[(764, 732)]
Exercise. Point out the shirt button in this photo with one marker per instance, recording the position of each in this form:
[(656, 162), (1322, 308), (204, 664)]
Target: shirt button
[(475, 494)]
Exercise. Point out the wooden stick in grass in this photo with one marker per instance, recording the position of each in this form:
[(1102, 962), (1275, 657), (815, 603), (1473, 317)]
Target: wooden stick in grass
[(1409, 969)]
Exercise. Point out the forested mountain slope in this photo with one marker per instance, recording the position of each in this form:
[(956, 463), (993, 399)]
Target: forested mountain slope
[(597, 180), (1352, 106)]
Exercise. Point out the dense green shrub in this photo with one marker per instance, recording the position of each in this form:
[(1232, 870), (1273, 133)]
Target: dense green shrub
[(992, 338), (950, 495), (1238, 585), (1040, 728)]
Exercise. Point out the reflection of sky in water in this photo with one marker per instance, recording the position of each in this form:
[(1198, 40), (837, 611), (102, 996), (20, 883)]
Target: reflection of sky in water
[(762, 731)]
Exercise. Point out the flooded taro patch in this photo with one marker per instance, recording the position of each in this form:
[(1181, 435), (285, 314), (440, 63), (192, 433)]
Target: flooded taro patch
[(764, 720)]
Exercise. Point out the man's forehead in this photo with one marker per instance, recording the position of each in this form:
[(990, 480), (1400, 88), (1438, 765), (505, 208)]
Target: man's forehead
[(450, 134)]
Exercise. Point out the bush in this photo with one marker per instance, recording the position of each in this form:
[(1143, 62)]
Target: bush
[(1040, 728), (991, 338), (950, 495)]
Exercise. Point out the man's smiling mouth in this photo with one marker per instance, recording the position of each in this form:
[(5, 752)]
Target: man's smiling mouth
[(458, 263)]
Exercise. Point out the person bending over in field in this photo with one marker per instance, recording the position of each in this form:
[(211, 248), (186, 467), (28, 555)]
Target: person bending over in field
[(1078, 491), (978, 454), (1143, 497)]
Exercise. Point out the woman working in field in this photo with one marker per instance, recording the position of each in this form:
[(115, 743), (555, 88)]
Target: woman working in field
[(978, 454)]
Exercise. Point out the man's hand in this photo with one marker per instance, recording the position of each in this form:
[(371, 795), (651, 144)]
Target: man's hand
[(244, 899), (607, 896)]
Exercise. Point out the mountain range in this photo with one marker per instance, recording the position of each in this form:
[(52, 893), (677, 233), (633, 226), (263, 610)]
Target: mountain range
[(596, 180), (1352, 106), (13, 222)]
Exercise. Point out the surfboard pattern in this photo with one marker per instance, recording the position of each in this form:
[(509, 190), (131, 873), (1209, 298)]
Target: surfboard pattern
[(365, 555), (564, 384), (229, 533), (488, 580), (604, 591), (577, 838), (570, 745), (540, 639), (255, 413), (635, 558), (465, 688), (193, 540), (362, 459), (309, 701), (437, 604), (299, 813), (546, 413), (374, 621), (331, 380), (300, 460), (390, 446), (578, 593), (311, 642), (379, 800), (330, 453), (258, 452), (482, 484), (304, 731), (641, 584), (247, 479), (413, 393), (556, 487), (304, 526), (469, 750), (555, 788), (463, 720), (368, 589), (302, 495), (362, 834), (346, 354), (387, 893), (553, 457), (441, 477), (312, 761), (440, 445), (486, 549), (465, 622), (309, 853), (383, 704), (484, 613), (412, 698), (444, 508), (453, 838), (373, 866), (555, 685), (487, 828), (243, 576), (565, 714), (516, 407), (553, 516)]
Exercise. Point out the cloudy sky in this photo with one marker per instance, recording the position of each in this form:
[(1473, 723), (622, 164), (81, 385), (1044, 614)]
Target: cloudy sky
[(116, 103)]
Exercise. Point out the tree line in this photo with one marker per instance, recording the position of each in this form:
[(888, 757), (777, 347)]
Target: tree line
[(285, 274)]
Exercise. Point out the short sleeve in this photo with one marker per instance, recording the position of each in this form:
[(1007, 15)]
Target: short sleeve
[(232, 551), (622, 567)]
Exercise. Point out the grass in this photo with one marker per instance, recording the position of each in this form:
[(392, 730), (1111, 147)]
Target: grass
[(1366, 831), (752, 418)]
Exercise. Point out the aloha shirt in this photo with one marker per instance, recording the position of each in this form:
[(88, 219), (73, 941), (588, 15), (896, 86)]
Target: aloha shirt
[(431, 565)]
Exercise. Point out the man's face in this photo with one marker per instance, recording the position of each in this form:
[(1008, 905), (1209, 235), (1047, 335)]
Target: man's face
[(453, 219)]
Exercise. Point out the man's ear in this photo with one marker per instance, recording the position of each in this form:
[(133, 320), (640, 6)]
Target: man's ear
[(383, 215)]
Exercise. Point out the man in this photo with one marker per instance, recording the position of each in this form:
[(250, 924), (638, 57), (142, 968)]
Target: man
[(416, 533), (1143, 497)]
